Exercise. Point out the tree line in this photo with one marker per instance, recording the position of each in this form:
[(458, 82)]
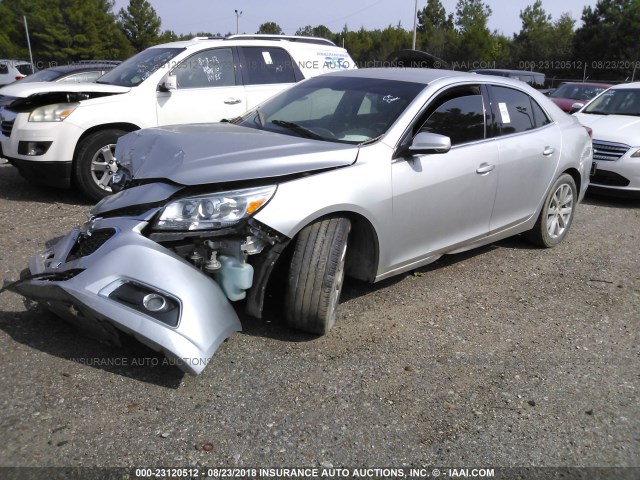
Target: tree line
[(606, 45)]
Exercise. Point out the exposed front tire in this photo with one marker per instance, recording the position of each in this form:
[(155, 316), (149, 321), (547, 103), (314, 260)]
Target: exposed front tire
[(557, 213), (95, 163), (316, 275)]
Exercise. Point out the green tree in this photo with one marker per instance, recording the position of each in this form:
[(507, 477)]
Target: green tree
[(68, 30), (270, 28), (434, 17), (437, 34), (475, 41), (358, 44), (562, 37), (534, 41), (10, 35), (140, 24), (609, 33), (319, 31)]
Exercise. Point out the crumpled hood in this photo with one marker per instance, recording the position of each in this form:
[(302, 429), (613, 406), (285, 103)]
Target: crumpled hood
[(29, 96), (222, 152), (23, 90), (613, 128)]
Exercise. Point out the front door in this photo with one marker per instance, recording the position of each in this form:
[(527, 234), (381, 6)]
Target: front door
[(441, 200), (208, 90)]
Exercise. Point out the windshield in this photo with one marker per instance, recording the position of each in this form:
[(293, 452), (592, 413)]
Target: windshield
[(335, 108), (619, 101), (138, 68), (578, 92), (41, 76)]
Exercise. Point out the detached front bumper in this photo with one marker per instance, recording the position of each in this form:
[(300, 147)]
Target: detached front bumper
[(117, 279)]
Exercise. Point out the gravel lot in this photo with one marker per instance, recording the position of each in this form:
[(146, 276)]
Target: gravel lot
[(505, 356)]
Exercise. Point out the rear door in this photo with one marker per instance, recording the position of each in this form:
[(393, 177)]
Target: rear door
[(266, 71), (208, 89), (529, 146)]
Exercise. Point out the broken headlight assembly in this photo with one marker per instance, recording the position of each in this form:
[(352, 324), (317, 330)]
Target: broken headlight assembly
[(212, 211)]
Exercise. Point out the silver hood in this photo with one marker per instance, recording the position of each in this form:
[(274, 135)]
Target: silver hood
[(222, 152)]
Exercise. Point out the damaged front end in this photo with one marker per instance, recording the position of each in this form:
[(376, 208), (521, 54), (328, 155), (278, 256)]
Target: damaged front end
[(161, 266)]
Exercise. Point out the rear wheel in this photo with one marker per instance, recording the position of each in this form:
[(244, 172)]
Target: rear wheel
[(316, 275), (557, 213), (95, 163)]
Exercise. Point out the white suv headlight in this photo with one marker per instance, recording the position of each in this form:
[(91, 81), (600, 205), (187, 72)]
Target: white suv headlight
[(56, 112), (216, 210)]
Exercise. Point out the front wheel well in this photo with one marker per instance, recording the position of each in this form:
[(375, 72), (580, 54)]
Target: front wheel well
[(361, 261)]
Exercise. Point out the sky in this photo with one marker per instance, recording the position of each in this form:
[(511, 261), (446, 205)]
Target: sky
[(218, 16)]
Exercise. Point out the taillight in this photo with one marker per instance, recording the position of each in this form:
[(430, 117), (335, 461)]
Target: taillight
[(589, 131), (20, 77)]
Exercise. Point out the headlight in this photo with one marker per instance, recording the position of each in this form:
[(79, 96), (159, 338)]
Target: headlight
[(217, 210), (636, 154), (53, 113)]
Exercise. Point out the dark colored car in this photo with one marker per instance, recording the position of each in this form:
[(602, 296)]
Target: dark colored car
[(576, 92), (87, 71)]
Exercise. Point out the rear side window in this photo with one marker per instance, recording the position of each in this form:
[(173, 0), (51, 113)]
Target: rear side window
[(25, 68), (516, 111), (459, 116), (4, 69), (265, 65)]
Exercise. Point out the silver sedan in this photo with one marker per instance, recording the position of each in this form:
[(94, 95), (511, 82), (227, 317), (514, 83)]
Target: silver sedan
[(366, 173)]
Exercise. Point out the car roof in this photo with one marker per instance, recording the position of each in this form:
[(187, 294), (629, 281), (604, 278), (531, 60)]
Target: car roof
[(507, 71), (633, 85), (248, 38), (416, 75), (588, 84)]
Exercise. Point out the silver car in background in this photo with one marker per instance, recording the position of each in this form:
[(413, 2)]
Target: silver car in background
[(366, 173)]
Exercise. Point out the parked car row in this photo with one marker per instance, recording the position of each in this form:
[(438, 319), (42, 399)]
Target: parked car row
[(65, 133), (367, 173)]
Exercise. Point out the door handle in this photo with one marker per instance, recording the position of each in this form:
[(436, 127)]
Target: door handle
[(232, 101), (548, 151), (485, 168)]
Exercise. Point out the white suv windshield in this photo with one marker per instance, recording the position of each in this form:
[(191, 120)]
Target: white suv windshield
[(138, 68)]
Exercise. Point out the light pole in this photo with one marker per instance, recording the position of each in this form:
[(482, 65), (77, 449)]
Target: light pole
[(238, 21), (415, 25)]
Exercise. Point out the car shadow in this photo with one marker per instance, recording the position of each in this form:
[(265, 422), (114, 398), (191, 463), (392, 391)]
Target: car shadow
[(273, 324), (41, 330), (603, 200), (15, 188)]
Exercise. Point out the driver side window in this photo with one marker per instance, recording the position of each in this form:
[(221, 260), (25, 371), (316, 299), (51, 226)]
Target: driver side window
[(458, 114), (211, 68)]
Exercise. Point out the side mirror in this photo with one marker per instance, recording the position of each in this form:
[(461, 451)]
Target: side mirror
[(427, 142), (575, 107), (170, 83)]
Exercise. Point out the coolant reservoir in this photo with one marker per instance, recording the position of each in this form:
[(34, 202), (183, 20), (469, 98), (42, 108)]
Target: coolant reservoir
[(235, 277)]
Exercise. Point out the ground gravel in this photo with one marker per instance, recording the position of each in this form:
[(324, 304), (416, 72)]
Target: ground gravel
[(506, 356)]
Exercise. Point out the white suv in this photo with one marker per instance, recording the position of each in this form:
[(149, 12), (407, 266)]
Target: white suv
[(12, 70), (63, 134)]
